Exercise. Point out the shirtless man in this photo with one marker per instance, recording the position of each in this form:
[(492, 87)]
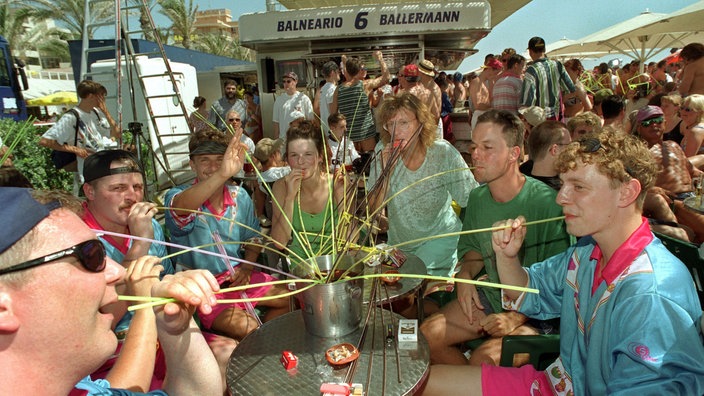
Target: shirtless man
[(460, 92), (693, 72), (674, 181), (414, 86), (427, 78), (478, 90)]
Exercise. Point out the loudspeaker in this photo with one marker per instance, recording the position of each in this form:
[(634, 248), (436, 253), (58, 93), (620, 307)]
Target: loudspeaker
[(269, 77)]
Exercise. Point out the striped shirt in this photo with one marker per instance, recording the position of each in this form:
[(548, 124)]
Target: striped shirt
[(354, 104), (542, 84), (507, 93)]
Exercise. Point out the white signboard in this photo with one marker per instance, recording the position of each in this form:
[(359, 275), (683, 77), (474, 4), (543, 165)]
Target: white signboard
[(364, 20)]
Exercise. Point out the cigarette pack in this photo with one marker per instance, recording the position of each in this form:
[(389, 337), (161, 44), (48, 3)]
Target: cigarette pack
[(289, 360), (408, 330)]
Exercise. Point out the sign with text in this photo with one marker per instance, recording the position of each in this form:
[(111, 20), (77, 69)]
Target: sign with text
[(364, 20)]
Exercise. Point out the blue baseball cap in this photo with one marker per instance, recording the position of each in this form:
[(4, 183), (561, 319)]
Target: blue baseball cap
[(20, 213)]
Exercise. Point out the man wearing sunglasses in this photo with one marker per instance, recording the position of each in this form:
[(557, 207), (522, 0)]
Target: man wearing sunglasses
[(234, 128), (291, 101), (674, 182), (55, 285), (629, 313)]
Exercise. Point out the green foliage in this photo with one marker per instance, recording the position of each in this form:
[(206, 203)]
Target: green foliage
[(31, 159), (146, 158)]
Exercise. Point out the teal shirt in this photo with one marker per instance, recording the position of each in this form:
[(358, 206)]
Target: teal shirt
[(237, 224), (535, 201)]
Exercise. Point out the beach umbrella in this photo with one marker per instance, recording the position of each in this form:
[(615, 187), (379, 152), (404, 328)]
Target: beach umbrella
[(644, 36), (55, 99)]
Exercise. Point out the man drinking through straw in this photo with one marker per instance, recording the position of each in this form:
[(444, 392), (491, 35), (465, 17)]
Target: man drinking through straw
[(629, 314)]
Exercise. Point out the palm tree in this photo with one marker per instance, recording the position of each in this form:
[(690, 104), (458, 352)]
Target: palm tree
[(224, 45), (71, 13), (183, 18), (13, 16)]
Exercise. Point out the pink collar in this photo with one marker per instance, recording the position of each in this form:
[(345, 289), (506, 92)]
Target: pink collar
[(227, 201), (623, 256), (92, 222)]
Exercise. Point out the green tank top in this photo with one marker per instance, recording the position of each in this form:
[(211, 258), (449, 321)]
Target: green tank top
[(316, 229)]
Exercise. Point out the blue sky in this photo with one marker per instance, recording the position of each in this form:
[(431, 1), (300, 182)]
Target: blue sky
[(550, 19)]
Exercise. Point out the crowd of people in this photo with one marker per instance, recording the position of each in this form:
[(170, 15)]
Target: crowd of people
[(557, 153)]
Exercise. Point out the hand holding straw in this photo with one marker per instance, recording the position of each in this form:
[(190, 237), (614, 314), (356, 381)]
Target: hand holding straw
[(247, 304)]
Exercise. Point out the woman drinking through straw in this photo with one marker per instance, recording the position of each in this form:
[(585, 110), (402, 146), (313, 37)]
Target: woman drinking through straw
[(307, 202), (417, 177), (219, 217)]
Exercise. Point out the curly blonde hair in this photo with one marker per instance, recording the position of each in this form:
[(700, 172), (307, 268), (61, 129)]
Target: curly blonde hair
[(392, 104), (618, 156)]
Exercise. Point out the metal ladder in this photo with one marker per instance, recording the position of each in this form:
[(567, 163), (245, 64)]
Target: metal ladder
[(167, 140)]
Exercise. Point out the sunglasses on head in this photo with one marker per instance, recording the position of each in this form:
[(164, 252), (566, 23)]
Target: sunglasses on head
[(91, 255), (592, 145), (656, 120)]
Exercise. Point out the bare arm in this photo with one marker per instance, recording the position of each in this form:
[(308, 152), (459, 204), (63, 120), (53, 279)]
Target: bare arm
[(687, 79), (381, 80), (333, 106), (134, 367), (694, 141), (285, 191), (115, 131), (54, 145), (582, 94), (507, 244), (192, 368), (467, 295)]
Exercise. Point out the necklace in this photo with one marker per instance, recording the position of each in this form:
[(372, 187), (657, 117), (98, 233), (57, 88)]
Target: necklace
[(689, 127)]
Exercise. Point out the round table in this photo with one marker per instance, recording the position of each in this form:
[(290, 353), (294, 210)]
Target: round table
[(694, 204), (390, 293), (255, 368)]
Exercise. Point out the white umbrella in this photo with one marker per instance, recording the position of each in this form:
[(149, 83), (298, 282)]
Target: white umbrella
[(621, 38), (564, 42)]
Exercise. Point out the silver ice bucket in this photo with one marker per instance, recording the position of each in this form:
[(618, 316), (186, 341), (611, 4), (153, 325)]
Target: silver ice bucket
[(331, 309)]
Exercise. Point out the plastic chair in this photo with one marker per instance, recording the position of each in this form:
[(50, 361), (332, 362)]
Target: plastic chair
[(688, 253), (542, 349)]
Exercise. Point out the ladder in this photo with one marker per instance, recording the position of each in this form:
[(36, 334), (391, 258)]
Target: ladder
[(157, 93)]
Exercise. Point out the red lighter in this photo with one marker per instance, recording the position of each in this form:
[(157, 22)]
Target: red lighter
[(289, 360)]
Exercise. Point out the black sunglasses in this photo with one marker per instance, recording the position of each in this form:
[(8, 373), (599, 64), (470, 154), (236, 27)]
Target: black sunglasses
[(592, 145), (234, 119), (90, 253)]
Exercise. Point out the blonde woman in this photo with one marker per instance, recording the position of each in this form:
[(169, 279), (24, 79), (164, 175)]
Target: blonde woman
[(692, 114), (408, 153)]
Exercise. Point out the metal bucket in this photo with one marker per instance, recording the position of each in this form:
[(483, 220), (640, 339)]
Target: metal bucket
[(331, 309)]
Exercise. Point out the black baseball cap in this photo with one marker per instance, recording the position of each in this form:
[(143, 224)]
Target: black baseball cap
[(536, 44), (97, 165)]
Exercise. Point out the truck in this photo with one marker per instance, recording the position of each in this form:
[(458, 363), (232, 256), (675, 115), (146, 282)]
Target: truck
[(302, 40), (12, 73)]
